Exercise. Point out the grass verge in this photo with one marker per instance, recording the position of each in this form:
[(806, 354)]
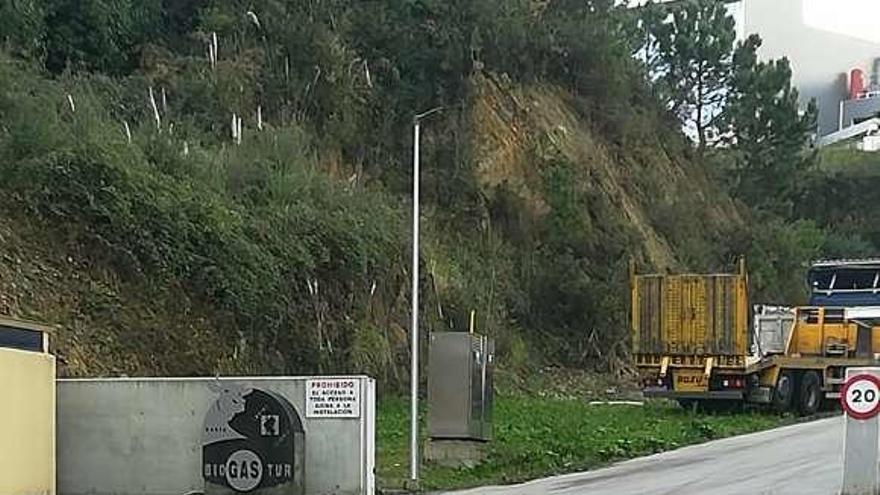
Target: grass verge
[(536, 437)]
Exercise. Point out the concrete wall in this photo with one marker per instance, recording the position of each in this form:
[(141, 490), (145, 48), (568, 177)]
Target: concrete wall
[(27, 423), (819, 58), (144, 436)]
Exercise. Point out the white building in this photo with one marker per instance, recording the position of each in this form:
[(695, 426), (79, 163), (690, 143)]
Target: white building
[(824, 40)]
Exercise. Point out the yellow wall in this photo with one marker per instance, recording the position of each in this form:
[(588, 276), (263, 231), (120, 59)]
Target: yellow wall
[(27, 423)]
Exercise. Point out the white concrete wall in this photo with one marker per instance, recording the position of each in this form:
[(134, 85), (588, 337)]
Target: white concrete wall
[(144, 436), (820, 58)]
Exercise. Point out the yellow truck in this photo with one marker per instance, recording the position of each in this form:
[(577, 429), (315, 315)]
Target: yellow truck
[(695, 340)]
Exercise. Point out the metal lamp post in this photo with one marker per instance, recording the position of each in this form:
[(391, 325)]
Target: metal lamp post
[(414, 344)]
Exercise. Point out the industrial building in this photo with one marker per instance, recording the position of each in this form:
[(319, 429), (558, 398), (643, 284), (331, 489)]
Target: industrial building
[(834, 50)]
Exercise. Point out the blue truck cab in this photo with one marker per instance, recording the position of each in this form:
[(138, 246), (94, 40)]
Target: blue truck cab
[(845, 283)]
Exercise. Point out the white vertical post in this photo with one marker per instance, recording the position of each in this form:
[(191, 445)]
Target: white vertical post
[(414, 365), (155, 110), (414, 349), (860, 449)]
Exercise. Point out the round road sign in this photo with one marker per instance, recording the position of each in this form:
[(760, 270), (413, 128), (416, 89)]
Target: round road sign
[(860, 396)]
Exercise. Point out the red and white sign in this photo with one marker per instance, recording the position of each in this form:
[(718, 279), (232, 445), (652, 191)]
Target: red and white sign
[(860, 396)]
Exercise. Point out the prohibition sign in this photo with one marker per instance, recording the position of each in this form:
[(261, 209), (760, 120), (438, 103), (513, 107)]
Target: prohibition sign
[(860, 396)]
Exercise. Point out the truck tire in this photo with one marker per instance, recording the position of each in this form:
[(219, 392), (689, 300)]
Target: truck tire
[(810, 396), (783, 393)]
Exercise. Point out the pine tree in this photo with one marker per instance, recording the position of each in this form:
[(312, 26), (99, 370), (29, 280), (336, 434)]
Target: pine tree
[(768, 132), (694, 43)]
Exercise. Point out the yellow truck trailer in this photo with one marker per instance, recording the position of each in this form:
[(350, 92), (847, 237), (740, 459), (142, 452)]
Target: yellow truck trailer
[(692, 342)]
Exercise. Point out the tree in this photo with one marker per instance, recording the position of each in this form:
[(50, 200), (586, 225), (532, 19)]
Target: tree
[(690, 47), (101, 35), (767, 131), (22, 27)]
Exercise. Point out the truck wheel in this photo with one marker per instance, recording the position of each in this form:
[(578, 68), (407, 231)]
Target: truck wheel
[(810, 394), (784, 392)]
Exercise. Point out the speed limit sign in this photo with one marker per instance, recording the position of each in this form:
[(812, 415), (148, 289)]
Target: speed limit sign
[(860, 396)]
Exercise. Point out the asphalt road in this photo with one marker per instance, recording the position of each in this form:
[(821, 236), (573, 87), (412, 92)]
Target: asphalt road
[(804, 459)]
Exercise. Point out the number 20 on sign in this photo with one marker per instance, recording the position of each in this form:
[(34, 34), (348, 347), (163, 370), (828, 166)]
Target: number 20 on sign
[(860, 396)]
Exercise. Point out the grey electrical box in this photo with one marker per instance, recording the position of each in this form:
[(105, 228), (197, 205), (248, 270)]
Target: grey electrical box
[(460, 386)]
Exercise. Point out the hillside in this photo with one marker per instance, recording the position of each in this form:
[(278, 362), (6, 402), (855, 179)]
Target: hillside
[(641, 186), (159, 244)]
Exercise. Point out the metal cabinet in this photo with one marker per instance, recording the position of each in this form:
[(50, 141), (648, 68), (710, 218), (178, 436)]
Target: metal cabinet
[(460, 367)]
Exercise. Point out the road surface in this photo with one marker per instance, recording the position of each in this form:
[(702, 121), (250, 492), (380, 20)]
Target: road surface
[(803, 459)]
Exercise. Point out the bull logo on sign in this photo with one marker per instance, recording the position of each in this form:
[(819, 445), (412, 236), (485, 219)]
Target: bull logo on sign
[(252, 442)]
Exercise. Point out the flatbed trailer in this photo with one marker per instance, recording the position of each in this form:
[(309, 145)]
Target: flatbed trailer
[(691, 343)]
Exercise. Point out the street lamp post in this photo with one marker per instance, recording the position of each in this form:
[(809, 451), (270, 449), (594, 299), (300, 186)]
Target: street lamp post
[(414, 344)]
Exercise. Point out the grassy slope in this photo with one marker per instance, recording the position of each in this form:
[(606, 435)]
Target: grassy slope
[(537, 437), (849, 162), (44, 279), (158, 262), (161, 263)]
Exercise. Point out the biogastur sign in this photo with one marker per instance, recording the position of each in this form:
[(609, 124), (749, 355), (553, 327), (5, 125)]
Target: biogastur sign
[(252, 442)]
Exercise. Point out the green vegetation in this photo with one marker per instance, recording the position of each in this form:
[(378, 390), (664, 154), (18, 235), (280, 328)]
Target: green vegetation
[(841, 196), (232, 223), (690, 49), (134, 214), (844, 160), (540, 437), (753, 131), (164, 242), (182, 247), (768, 132)]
